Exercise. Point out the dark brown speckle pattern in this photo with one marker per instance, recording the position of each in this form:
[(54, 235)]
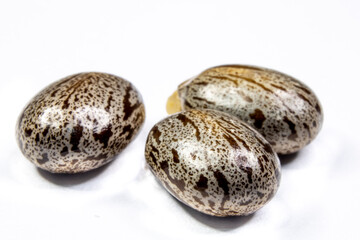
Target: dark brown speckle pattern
[(285, 111), (80, 122), (213, 162)]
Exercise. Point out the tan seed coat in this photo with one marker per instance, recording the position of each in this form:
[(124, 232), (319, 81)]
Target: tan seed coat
[(285, 111), (80, 122), (213, 162)]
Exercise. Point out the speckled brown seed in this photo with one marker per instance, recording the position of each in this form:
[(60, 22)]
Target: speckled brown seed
[(285, 111), (213, 162), (80, 122)]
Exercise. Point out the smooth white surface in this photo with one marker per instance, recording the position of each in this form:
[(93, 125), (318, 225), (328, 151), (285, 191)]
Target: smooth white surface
[(156, 45)]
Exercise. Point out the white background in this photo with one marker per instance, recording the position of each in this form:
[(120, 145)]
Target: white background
[(156, 45)]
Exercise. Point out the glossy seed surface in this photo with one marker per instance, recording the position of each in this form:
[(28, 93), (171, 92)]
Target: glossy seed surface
[(80, 122), (284, 110), (213, 162)]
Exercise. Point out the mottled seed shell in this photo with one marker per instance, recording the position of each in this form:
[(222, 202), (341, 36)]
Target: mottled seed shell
[(213, 162), (285, 111), (80, 122)]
